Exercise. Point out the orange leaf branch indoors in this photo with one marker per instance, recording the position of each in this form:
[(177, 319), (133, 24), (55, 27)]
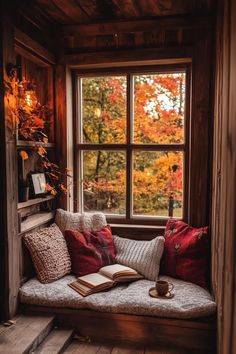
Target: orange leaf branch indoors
[(32, 120)]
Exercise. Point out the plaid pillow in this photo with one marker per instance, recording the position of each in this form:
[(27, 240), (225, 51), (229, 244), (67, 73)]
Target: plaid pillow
[(89, 251)]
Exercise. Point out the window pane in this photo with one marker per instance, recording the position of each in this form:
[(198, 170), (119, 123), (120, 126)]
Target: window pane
[(157, 183), (104, 181), (104, 109), (159, 104)]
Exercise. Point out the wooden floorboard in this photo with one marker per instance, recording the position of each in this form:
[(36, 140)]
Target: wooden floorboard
[(55, 342), (127, 349), (17, 339), (25, 334), (77, 347)]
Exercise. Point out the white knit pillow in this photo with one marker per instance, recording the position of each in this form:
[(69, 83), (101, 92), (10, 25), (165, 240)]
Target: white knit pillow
[(143, 256), (86, 221)]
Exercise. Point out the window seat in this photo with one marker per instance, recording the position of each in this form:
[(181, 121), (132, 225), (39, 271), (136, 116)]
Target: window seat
[(190, 301)]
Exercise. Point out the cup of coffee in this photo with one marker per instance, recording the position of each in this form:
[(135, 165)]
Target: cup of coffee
[(163, 287)]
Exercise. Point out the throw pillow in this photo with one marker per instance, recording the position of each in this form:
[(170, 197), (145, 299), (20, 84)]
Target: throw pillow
[(86, 221), (187, 252), (49, 253), (143, 256), (89, 251)]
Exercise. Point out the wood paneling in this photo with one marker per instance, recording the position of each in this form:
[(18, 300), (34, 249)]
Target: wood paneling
[(24, 41), (8, 175), (124, 328), (147, 56), (224, 173), (61, 124), (63, 11), (183, 22), (199, 135)]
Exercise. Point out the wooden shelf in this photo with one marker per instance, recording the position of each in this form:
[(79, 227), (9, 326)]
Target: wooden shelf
[(34, 201), (30, 144), (36, 220)]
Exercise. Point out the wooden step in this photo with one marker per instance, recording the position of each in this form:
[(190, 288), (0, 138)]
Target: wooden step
[(25, 335), (56, 342)]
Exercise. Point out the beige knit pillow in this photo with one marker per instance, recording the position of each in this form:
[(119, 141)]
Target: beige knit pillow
[(49, 253), (86, 221), (143, 256)]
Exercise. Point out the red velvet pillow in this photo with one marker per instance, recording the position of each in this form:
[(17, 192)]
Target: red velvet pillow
[(186, 252), (89, 251)]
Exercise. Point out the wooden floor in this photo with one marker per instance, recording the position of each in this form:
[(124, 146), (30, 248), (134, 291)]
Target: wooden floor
[(77, 347), (38, 335)]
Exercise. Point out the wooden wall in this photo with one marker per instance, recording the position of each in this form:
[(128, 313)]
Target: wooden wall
[(186, 41), (224, 179), (9, 243)]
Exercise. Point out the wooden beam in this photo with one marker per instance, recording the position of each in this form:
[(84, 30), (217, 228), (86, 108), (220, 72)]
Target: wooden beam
[(201, 116), (22, 40), (151, 56), (156, 24), (61, 123)]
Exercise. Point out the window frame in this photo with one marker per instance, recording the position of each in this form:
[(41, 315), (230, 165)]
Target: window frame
[(129, 146)]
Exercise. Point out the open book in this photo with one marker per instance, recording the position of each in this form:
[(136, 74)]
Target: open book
[(106, 278)]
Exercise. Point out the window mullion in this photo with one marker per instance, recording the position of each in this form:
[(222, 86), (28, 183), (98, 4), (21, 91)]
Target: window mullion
[(128, 150)]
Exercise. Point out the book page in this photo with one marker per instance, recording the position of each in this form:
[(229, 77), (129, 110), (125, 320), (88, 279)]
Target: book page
[(115, 270), (93, 280), (85, 290)]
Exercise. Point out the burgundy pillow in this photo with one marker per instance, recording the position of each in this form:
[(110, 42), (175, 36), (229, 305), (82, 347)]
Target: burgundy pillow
[(89, 251), (186, 252)]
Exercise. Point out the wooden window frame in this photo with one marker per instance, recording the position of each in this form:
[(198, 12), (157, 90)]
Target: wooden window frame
[(129, 147)]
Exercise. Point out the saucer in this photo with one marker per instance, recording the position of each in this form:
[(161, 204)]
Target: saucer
[(153, 293)]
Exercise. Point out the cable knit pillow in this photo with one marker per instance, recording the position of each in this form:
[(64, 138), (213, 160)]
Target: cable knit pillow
[(87, 221), (143, 256), (49, 253)]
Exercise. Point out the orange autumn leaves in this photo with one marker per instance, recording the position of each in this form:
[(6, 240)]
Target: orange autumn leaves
[(158, 118), (33, 120), (106, 95), (52, 170), (158, 109)]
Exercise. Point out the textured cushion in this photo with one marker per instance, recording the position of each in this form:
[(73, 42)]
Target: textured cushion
[(86, 221), (143, 256), (89, 251), (49, 253), (187, 252), (190, 300)]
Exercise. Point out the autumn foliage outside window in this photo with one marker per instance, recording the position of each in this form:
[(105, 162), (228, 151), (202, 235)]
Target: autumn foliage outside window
[(131, 143)]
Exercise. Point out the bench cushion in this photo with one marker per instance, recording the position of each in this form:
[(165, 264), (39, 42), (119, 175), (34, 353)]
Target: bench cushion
[(190, 300)]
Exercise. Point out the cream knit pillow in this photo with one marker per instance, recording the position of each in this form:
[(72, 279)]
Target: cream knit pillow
[(143, 256), (86, 221)]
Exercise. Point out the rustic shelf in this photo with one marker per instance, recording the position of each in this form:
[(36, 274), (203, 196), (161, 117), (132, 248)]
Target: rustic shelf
[(34, 201), (36, 220), (30, 144)]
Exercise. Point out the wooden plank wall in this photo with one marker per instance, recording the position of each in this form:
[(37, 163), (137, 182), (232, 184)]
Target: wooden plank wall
[(9, 241), (199, 52), (224, 186)]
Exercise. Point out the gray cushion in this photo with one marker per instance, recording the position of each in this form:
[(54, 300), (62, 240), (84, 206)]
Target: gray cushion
[(190, 300)]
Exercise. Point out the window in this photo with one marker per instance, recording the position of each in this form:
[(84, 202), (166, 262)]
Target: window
[(132, 144)]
